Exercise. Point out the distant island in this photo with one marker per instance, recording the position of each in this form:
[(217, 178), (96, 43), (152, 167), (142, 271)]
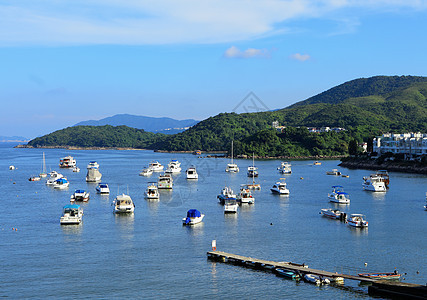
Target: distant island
[(363, 108), (13, 139)]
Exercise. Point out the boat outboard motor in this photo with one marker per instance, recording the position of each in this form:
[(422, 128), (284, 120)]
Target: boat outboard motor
[(343, 217)]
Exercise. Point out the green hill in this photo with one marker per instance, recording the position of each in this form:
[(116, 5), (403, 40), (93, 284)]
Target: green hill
[(364, 107)]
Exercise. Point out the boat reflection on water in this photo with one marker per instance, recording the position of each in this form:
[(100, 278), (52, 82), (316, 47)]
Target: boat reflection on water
[(195, 230), (125, 226), (356, 231)]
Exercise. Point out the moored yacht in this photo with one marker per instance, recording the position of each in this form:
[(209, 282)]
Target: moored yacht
[(67, 162), (280, 187), (245, 196), (173, 167), (93, 174), (338, 196), (232, 167), (333, 214), (333, 172), (156, 166), (34, 178), (146, 172), (152, 192), (61, 183), (54, 176), (80, 195), (102, 188), (225, 194), (192, 173), (193, 217), (252, 171), (374, 183), (357, 220), (165, 182), (72, 214), (123, 204), (230, 205), (285, 168)]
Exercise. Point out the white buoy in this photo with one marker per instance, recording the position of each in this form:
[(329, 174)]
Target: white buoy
[(213, 245), (11, 167)]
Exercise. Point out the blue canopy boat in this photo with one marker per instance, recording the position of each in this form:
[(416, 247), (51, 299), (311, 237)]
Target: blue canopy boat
[(193, 217)]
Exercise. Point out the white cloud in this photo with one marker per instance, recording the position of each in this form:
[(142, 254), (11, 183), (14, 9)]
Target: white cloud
[(234, 52), (132, 22), (300, 57)]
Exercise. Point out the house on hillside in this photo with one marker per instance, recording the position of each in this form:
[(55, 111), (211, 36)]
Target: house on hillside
[(410, 144)]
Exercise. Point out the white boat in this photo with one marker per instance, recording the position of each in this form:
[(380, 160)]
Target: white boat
[(80, 195), (285, 168), (230, 205), (252, 171), (280, 187), (173, 167), (192, 173), (333, 172), (333, 213), (12, 168), (76, 169), (316, 279), (43, 173), (102, 188), (232, 167), (245, 196), (425, 206), (93, 174), (193, 217), (67, 162), (338, 195), (54, 176), (146, 172), (374, 183), (123, 204), (225, 194), (34, 178), (357, 220), (152, 192), (61, 183), (72, 214), (156, 166), (165, 182)]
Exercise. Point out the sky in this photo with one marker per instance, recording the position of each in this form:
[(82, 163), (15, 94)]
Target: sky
[(62, 62)]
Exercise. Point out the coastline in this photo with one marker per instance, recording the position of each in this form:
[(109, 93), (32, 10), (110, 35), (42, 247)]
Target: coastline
[(391, 166)]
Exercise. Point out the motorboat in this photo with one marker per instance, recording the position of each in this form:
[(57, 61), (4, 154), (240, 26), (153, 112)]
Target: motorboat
[(357, 220), (92, 164), (193, 217), (245, 196), (80, 195), (11, 167), (280, 187), (61, 183), (146, 172), (43, 173), (72, 214), (156, 166), (285, 168), (34, 178), (123, 204), (232, 167), (54, 176), (340, 198), (192, 173), (383, 174), (425, 206), (230, 205), (152, 192), (76, 169), (332, 213), (287, 273), (102, 188), (333, 196), (317, 163), (165, 181), (374, 183), (382, 276), (93, 174), (316, 279), (67, 162), (333, 172), (226, 193), (173, 167), (252, 171)]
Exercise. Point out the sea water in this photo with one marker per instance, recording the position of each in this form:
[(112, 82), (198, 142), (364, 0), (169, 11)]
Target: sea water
[(150, 255)]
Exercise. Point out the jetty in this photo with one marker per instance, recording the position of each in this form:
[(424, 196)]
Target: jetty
[(385, 288)]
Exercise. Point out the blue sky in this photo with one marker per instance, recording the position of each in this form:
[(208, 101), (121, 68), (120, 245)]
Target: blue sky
[(62, 62)]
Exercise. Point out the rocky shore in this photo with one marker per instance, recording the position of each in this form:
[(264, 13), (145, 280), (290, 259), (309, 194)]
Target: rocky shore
[(391, 166)]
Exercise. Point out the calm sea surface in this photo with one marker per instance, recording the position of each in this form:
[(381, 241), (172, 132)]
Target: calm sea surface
[(151, 255)]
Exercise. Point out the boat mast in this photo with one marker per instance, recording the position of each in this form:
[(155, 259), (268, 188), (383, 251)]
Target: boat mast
[(231, 152)]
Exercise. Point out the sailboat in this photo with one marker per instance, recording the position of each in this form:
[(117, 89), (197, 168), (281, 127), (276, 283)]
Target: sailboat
[(232, 168), (43, 173), (253, 186)]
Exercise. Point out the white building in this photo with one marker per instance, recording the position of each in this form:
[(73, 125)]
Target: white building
[(414, 144)]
